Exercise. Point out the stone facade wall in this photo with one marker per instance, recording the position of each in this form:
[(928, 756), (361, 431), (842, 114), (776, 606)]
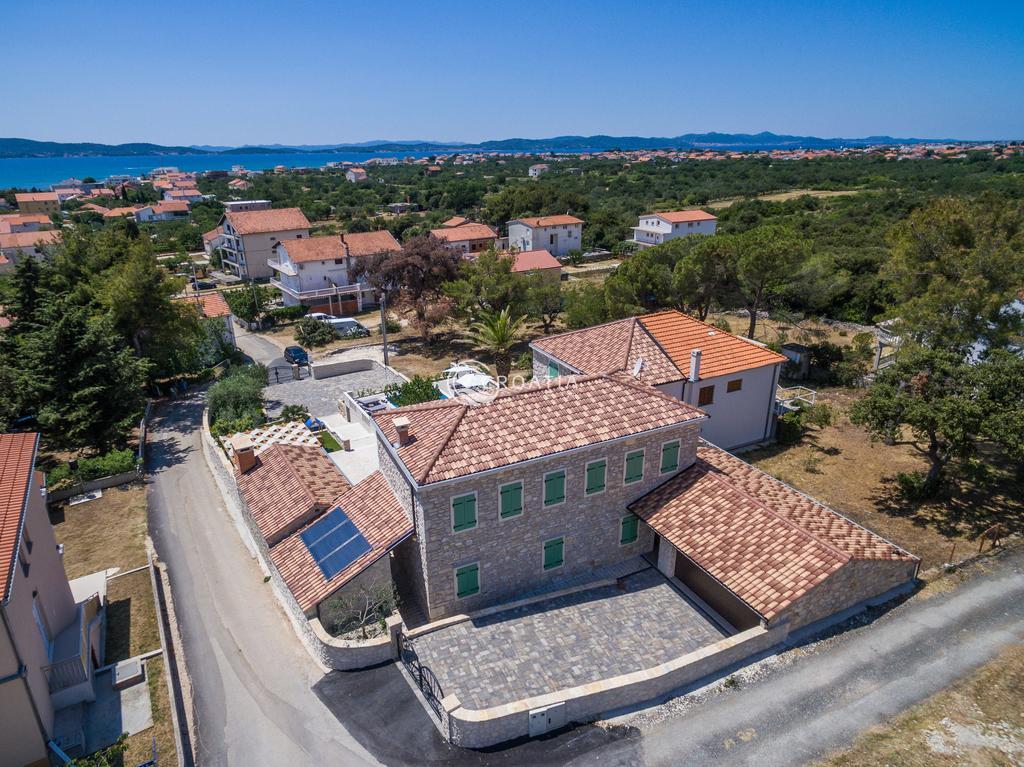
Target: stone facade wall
[(510, 551), (540, 366)]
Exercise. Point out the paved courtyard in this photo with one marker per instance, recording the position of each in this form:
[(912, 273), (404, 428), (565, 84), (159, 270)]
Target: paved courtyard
[(321, 397), (565, 641)]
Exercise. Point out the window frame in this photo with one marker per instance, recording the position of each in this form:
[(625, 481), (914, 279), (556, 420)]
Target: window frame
[(522, 500), (476, 510), (558, 371), (544, 488), (543, 551), (636, 531), (586, 477), (661, 464), (729, 386), (625, 466), (455, 576), (700, 395)]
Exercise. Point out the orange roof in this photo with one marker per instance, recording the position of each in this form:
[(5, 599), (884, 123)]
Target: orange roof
[(306, 249), (28, 239), (94, 208), (359, 244), (213, 234), (453, 438), (118, 212), (464, 232), (766, 542), (36, 197), (170, 206), (263, 221), (530, 260), (189, 192), (375, 512), (17, 462), (455, 221), (536, 221), (210, 304), (20, 219), (680, 216)]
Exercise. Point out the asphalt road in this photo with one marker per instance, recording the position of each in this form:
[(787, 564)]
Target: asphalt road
[(250, 674)]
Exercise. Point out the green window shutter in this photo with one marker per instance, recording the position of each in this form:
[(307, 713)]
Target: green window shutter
[(467, 580), (634, 466), (464, 512), (512, 499), (595, 477), (552, 370), (554, 488), (669, 457), (553, 553), (629, 531)]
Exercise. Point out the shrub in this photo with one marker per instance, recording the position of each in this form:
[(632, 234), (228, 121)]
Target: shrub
[(391, 324), (115, 462), (295, 413), (789, 429), (236, 400), (417, 389), (914, 486), (288, 313), (312, 333)]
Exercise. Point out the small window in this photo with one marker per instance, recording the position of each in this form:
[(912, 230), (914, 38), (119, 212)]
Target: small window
[(629, 529), (596, 477), (706, 396), (634, 467), (467, 580), (552, 370), (554, 488), (510, 499), (669, 456), (554, 553), (735, 385), (464, 512)]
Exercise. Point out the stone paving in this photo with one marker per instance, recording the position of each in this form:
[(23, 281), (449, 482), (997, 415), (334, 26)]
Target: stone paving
[(565, 641), (321, 396)]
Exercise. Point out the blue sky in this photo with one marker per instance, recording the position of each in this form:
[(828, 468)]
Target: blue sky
[(226, 72)]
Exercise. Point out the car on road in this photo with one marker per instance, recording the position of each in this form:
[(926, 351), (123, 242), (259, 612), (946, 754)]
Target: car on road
[(203, 285), (296, 355)]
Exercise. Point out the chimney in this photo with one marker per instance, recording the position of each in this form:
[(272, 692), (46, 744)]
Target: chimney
[(695, 366), (401, 425), (243, 453)]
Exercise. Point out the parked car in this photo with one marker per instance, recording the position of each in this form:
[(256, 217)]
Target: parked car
[(296, 355), (203, 285), (321, 316), (348, 327)]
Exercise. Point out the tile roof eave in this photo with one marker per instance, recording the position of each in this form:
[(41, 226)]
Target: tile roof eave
[(9, 582)]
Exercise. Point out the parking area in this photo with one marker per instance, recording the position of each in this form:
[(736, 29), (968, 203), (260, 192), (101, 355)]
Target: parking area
[(566, 641), (321, 396)]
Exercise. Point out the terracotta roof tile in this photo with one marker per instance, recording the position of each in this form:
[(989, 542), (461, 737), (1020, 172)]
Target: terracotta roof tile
[(209, 304), (374, 511), (17, 461), (264, 221), (359, 244), (530, 260), (535, 221), (463, 232), (681, 216), (306, 249), (28, 239), (36, 197)]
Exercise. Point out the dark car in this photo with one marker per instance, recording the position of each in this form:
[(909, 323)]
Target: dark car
[(296, 355), (203, 285)]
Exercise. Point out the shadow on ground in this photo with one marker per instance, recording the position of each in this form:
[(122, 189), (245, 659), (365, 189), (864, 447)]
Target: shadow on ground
[(379, 709)]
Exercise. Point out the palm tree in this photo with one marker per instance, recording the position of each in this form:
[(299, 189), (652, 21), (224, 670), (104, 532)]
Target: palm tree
[(497, 332)]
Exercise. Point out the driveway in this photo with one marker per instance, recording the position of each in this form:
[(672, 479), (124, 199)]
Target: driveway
[(251, 676)]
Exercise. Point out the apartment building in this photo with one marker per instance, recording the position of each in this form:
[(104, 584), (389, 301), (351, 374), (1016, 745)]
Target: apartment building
[(556, 234), (38, 202), (656, 228), (250, 236)]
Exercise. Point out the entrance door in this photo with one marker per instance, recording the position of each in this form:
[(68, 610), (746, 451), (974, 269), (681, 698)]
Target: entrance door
[(553, 243)]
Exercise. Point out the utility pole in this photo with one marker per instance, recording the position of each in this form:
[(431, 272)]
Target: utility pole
[(384, 323)]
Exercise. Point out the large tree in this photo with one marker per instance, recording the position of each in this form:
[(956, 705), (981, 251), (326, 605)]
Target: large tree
[(545, 299), (486, 284), (767, 258), (704, 273), (497, 333)]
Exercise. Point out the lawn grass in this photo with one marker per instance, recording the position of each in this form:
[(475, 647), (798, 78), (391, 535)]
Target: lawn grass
[(106, 533), (131, 617), (330, 444), (139, 747), (977, 721)]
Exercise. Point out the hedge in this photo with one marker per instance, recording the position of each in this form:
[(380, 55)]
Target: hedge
[(115, 462)]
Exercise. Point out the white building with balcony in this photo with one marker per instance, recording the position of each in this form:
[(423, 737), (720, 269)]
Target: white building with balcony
[(556, 234), (656, 228), (318, 271), (249, 238)]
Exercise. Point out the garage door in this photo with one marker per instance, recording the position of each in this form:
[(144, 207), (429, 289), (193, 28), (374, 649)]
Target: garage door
[(717, 596)]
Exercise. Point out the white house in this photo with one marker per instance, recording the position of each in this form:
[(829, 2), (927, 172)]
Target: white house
[(656, 228), (732, 379), (318, 271), (168, 210), (556, 234), (539, 169), (355, 174), (188, 194), (249, 238), (468, 237)]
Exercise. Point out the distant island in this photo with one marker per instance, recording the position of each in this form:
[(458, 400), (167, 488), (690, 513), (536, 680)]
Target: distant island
[(21, 147)]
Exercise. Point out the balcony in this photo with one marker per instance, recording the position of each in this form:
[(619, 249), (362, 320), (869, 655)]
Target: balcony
[(334, 291), (71, 650), (284, 268)]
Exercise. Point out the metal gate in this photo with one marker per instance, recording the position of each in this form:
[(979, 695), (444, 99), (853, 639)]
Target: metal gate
[(425, 678)]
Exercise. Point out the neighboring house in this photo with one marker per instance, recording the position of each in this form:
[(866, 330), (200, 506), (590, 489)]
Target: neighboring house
[(127, 212), (250, 237), (455, 221), (553, 480), (538, 170), (355, 174), (51, 643), (241, 206), (38, 202), (66, 193), (318, 271), (432, 170), (730, 378), (169, 210), (556, 234), (93, 208), (239, 185), (401, 208), (187, 194), (467, 237), (213, 306), (656, 228), (212, 240), (537, 261), (35, 244), (16, 223)]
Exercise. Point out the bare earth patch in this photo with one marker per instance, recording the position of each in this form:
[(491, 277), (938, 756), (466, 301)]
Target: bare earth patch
[(131, 617), (782, 197), (105, 533)]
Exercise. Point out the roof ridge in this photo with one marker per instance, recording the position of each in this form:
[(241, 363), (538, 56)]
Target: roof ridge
[(657, 343), (582, 330), (629, 343), (442, 445)]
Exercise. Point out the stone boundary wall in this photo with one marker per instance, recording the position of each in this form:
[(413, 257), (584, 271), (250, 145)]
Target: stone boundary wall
[(325, 369), (93, 484), (329, 652)]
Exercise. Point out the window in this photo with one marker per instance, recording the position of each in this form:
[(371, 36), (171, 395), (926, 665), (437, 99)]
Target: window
[(464, 512), (670, 456), (44, 632), (552, 370), (734, 385), (510, 500), (554, 553), (634, 467), (23, 558), (554, 487), (467, 580), (552, 238), (706, 396), (629, 529), (596, 477)]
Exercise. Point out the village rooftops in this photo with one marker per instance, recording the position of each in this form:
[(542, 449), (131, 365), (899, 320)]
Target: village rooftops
[(664, 341), (333, 247), (682, 216), (28, 240), (359, 244), (542, 221), (209, 304), (264, 221), (463, 232), (455, 437), (17, 459), (36, 197), (533, 260), (766, 542)]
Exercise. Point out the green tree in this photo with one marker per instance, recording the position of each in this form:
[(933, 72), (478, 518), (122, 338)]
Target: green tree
[(486, 284), (767, 258), (704, 273), (249, 303), (497, 333), (585, 306), (311, 333), (544, 300), (640, 283)]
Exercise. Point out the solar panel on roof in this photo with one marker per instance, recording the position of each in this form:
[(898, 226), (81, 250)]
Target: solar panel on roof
[(334, 542)]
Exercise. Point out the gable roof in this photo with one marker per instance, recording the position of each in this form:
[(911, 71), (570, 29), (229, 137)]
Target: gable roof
[(463, 232), (28, 239), (36, 197), (17, 461), (454, 438), (288, 487), (766, 542), (455, 221), (263, 221), (359, 244), (209, 304), (529, 260), (680, 216), (306, 249), (375, 512), (213, 234), (664, 340), (535, 221)]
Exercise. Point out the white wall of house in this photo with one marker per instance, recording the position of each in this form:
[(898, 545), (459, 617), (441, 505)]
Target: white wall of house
[(309, 275), (247, 255), (653, 230), (557, 240)]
